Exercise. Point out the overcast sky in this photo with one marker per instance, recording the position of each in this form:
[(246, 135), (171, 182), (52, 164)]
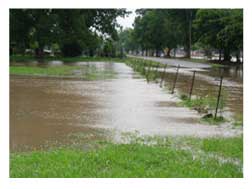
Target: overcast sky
[(128, 20)]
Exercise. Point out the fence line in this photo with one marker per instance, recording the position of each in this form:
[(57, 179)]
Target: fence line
[(151, 71)]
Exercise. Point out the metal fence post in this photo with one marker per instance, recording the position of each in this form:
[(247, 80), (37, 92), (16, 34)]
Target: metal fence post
[(191, 89), (148, 72), (175, 79), (218, 98), (156, 72), (163, 75), (143, 68)]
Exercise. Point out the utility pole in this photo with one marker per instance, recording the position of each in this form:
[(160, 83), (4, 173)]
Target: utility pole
[(189, 32)]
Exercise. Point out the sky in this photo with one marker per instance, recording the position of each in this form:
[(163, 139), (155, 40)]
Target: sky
[(128, 20)]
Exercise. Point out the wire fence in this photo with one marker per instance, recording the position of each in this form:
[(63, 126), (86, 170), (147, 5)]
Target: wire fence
[(213, 99)]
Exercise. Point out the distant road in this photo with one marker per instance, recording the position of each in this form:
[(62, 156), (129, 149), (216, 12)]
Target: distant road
[(174, 62)]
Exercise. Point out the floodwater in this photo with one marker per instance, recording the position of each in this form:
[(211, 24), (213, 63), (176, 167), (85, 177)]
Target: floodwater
[(207, 82), (52, 111)]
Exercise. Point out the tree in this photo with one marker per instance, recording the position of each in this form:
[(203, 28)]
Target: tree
[(20, 24), (70, 28), (220, 29), (184, 18), (160, 28)]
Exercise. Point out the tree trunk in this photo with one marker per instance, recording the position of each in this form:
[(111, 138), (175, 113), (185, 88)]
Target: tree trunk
[(238, 57), (190, 34), (189, 42), (91, 53), (39, 52), (152, 53), (227, 55), (168, 54), (157, 53), (174, 52), (220, 55), (11, 51)]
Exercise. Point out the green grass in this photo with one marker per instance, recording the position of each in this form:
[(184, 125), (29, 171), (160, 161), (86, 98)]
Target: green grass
[(238, 120), (139, 65), (201, 104), (204, 105), (158, 157), (146, 68), (27, 58), (85, 72), (227, 147), (217, 65), (213, 121)]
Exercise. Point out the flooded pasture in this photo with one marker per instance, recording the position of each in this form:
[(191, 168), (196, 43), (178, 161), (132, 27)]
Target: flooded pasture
[(207, 84), (51, 111)]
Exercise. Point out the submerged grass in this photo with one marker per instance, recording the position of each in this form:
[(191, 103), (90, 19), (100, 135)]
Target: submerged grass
[(138, 65), (201, 104), (147, 68), (66, 70), (213, 121), (204, 105), (87, 72), (156, 157), (238, 120), (217, 65), (27, 58)]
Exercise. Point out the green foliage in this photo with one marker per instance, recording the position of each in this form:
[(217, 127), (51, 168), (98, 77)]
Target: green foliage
[(127, 40), (161, 30), (64, 27), (109, 49), (220, 29), (151, 157), (156, 29)]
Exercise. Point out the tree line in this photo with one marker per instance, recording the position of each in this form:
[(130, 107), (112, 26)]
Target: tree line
[(95, 32), (70, 32), (208, 29)]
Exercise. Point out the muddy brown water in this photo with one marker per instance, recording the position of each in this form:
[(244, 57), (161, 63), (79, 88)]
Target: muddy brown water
[(207, 84), (50, 111)]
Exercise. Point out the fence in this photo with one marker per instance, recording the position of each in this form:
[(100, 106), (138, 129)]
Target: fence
[(164, 76)]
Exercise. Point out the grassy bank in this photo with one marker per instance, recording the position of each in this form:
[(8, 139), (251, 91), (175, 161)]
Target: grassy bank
[(151, 157)]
